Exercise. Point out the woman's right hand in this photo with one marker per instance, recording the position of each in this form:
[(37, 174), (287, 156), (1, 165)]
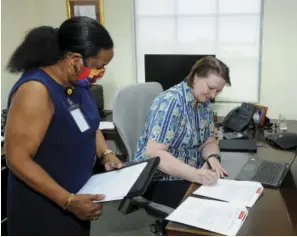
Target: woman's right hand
[(206, 176), (84, 207)]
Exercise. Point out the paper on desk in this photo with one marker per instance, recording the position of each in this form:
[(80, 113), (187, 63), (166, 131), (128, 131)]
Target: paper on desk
[(219, 217), (238, 192), (115, 185), (106, 125)]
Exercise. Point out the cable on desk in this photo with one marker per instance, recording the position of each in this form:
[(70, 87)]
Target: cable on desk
[(292, 161)]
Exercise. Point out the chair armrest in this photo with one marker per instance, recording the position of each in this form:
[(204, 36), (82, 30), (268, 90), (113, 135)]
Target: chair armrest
[(158, 210), (152, 208)]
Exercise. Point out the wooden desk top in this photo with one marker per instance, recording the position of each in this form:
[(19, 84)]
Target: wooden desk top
[(275, 212)]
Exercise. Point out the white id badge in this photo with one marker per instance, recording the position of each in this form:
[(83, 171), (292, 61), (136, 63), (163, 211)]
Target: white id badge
[(79, 119)]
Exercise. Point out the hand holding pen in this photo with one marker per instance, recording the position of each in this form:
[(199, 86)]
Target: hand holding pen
[(214, 164)]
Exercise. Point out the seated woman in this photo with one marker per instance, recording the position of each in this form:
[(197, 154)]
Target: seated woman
[(180, 130)]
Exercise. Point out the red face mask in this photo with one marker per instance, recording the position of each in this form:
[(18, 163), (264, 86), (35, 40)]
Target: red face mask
[(89, 76)]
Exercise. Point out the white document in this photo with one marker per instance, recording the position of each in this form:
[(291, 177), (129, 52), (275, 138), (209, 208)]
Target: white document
[(2, 139), (106, 125), (243, 193), (115, 185), (216, 216)]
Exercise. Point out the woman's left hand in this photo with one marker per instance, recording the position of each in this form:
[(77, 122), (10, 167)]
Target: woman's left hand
[(217, 167), (112, 162)]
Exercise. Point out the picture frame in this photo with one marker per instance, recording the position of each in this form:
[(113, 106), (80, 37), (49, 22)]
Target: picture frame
[(89, 8), (260, 115)]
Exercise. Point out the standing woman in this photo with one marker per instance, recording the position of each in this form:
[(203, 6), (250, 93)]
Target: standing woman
[(52, 135)]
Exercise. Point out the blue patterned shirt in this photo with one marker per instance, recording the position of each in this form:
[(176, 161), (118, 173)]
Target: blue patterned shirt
[(173, 120)]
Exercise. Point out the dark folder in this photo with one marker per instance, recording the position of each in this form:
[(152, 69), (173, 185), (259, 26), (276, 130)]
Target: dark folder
[(141, 183)]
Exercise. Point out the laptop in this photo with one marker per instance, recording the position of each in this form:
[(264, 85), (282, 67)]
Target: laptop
[(269, 173)]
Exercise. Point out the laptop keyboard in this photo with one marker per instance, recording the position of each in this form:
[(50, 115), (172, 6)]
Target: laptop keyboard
[(269, 172)]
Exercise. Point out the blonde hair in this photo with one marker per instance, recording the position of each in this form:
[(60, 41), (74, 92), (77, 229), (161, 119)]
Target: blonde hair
[(207, 65)]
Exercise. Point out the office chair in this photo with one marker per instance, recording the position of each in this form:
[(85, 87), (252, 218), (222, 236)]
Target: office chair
[(131, 106), (97, 92)]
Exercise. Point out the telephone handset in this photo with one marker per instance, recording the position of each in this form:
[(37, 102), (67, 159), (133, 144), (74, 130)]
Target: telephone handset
[(239, 118)]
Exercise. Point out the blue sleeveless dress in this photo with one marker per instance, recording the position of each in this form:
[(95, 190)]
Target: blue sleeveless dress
[(66, 154)]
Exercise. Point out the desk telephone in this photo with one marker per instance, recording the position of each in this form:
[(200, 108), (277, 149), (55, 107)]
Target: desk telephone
[(239, 118)]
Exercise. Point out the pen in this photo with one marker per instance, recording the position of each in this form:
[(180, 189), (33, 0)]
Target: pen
[(209, 165)]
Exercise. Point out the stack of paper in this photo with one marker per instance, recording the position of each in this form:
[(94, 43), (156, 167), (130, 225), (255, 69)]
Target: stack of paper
[(243, 193), (115, 185), (219, 217), (106, 125)]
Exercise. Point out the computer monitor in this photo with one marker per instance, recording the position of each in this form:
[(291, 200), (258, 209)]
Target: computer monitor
[(169, 69)]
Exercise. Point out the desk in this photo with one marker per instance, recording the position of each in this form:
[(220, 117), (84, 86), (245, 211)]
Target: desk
[(275, 213), (120, 150), (112, 134)]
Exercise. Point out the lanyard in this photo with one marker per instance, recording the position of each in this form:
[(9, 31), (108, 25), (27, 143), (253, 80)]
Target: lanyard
[(71, 105), (76, 113)]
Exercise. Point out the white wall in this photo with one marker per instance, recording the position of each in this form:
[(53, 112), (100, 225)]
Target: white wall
[(279, 84), (121, 71), (279, 64), (13, 27), (118, 20), (50, 12), (26, 15)]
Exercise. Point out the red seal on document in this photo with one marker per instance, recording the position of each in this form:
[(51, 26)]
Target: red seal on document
[(241, 215), (259, 190)]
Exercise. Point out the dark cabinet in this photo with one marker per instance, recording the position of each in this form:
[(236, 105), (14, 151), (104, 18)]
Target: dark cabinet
[(4, 227), (4, 178)]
